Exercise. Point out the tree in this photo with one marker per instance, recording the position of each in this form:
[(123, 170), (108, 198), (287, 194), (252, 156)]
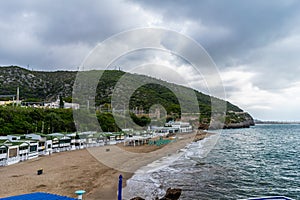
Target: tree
[(61, 102)]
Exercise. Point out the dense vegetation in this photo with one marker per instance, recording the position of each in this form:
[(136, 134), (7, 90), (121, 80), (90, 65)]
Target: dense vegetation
[(19, 120)]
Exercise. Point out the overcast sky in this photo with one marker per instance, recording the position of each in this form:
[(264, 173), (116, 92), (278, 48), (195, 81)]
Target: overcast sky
[(255, 44)]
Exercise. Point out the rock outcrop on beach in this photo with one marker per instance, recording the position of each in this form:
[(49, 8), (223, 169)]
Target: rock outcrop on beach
[(201, 135), (137, 198), (171, 194)]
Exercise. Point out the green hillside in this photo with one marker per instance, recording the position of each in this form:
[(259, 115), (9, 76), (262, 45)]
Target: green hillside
[(47, 86)]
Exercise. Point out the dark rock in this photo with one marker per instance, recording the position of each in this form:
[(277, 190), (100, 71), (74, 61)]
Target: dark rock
[(137, 198), (172, 194)]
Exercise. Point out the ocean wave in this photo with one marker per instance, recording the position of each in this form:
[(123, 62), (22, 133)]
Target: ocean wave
[(148, 183)]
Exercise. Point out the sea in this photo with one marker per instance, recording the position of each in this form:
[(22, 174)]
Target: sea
[(263, 160)]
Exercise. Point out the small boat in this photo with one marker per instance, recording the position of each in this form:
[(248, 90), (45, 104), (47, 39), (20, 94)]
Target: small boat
[(271, 198)]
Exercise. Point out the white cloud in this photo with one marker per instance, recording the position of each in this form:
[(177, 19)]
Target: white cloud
[(263, 104)]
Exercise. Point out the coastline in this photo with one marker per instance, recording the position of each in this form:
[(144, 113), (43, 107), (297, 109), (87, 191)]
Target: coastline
[(66, 172)]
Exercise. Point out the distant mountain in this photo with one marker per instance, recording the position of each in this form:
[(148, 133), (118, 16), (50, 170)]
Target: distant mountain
[(46, 86), (257, 121)]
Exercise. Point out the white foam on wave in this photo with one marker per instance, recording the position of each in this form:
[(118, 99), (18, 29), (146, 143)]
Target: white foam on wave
[(160, 163), (143, 184), (199, 150)]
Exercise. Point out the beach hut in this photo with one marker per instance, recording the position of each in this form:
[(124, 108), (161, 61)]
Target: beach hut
[(23, 151), (3, 153), (92, 140), (110, 138), (33, 149), (120, 136), (99, 138), (55, 144), (12, 152), (73, 140), (79, 141), (44, 142), (64, 143), (55, 137), (29, 148)]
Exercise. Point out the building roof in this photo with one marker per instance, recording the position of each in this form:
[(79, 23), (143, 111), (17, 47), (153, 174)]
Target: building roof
[(56, 134), (2, 141), (33, 136), (38, 196)]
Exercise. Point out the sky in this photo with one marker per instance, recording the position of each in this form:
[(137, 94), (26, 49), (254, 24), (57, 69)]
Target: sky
[(255, 44)]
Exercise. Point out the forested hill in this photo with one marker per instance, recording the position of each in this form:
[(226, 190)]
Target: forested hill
[(36, 84), (46, 86)]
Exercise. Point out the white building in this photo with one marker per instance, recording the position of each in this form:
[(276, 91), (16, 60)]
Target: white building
[(67, 105), (44, 143), (182, 127), (11, 150), (60, 142)]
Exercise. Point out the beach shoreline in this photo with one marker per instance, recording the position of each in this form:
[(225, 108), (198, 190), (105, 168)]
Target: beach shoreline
[(66, 172)]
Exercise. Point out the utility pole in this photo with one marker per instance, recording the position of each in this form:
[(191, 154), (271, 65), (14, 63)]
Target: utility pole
[(43, 126)]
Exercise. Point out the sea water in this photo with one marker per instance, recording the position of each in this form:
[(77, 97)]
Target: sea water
[(263, 160)]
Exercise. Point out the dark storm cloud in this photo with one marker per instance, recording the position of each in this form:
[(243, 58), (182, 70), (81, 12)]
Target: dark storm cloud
[(249, 24), (47, 34), (227, 29), (255, 44)]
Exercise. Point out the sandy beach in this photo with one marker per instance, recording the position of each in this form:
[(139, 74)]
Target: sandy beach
[(95, 170)]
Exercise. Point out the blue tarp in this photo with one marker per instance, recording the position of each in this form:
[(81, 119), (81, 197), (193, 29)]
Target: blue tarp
[(38, 196)]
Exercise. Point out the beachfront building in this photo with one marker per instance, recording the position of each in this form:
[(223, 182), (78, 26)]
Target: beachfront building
[(136, 140), (87, 139), (17, 148), (60, 142), (33, 149), (56, 104), (3, 153), (65, 143), (23, 151), (79, 141), (27, 149), (73, 140), (111, 140), (44, 142), (181, 127), (162, 131), (120, 136), (11, 150)]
